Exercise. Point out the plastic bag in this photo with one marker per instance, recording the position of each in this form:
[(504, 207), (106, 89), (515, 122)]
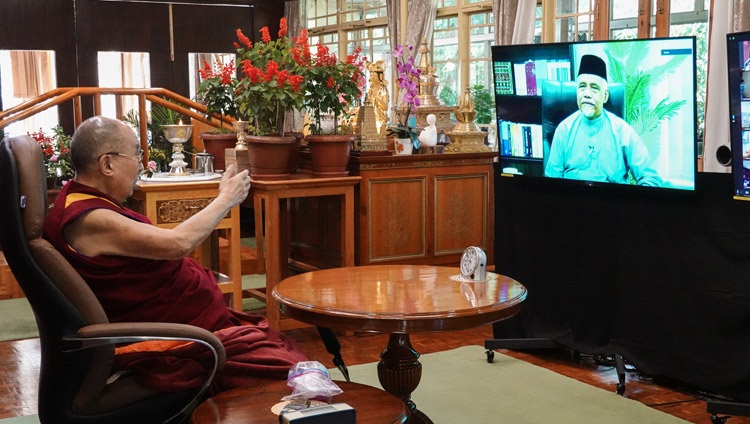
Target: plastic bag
[(310, 380)]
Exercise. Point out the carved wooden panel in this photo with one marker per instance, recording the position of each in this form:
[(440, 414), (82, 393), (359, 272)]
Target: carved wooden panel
[(175, 211), (396, 223), (461, 205)]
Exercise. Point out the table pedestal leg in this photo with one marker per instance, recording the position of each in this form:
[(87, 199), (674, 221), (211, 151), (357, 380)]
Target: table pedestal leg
[(399, 372)]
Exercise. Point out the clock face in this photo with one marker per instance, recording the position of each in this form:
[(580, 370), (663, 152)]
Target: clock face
[(469, 262)]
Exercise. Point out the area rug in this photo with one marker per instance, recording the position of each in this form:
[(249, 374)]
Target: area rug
[(17, 320), (460, 386)]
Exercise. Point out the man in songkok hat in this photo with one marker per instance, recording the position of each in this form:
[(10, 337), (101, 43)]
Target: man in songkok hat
[(593, 144)]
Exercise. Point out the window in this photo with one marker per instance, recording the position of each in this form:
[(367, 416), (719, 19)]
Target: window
[(481, 38), (127, 70), (27, 74), (321, 13), (374, 43), (445, 57), (196, 62), (358, 10)]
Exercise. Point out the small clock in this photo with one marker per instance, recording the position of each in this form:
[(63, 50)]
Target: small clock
[(474, 264)]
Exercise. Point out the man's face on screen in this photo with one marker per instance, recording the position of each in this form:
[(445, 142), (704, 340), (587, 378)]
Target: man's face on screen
[(592, 94)]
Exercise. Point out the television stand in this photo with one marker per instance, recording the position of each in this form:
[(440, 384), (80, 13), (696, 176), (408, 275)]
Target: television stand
[(716, 407), (545, 343)]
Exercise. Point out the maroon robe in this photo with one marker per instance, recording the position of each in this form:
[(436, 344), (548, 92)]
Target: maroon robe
[(178, 291)]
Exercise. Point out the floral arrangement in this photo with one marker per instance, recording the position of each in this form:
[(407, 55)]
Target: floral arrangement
[(332, 87), (408, 85), (272, 82), (56, 153), (217, 90), (151, 166)]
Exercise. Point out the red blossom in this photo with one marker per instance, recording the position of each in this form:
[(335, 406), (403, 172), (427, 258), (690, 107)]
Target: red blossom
[(244, 39), (265, 35), (295, 81), (271, 68), (281, 78), (282, 28), (331, 82)]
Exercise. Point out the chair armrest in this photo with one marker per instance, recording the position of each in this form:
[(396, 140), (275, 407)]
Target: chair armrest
[(131, 332), (97, 335)]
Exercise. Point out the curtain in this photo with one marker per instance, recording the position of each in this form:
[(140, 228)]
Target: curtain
[(393, 11), (507, 13), (726, 17), (134, 73), (32, 73), (421, 23)]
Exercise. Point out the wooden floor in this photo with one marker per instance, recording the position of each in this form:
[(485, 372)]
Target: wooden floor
[(19, 368)]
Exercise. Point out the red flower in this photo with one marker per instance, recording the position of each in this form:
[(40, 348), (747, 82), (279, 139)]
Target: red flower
[(281, 78), (282, 28), (243, 38), (331, 82), (265, 36), (271, 68), (295, 81)]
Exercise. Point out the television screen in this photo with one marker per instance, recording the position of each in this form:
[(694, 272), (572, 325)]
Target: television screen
[(616, 112), (738, 67)]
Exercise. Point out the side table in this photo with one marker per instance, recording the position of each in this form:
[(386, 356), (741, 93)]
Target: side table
[(272, 233), (252, 405)]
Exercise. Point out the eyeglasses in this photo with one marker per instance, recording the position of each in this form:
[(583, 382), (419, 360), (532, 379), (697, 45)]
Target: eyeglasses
[(139, 156)]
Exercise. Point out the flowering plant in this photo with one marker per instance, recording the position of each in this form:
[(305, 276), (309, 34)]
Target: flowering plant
[(56, 153), (272, 82), (332, 87), (408, 85), (217, 90)]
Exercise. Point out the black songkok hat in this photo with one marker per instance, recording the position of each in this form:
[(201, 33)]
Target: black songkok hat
[(593, 65)]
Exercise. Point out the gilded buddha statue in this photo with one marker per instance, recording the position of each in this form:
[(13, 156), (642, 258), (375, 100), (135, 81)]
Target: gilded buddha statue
[(378, 94)]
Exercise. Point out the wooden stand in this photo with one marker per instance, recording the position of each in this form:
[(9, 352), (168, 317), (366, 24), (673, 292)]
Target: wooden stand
[(169, 204)]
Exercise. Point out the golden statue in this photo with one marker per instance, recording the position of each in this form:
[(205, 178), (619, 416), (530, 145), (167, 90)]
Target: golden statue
[(378, 94)]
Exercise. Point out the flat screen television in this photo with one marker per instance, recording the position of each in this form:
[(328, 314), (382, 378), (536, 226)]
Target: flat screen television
[(552, 125), (738, 68)]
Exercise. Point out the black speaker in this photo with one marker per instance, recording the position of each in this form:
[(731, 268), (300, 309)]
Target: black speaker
[(724, 155)]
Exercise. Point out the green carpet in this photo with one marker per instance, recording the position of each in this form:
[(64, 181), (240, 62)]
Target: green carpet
[(17, 320), (460, 386)]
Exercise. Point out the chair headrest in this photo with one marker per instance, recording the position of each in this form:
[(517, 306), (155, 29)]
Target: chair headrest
[(32, 183)]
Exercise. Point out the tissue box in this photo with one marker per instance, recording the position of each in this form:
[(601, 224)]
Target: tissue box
[(336, 413)]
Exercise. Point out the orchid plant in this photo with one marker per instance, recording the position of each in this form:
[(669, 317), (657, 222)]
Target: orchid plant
[(408, 85)]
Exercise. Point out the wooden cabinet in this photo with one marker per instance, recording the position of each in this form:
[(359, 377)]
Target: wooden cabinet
[(423, 209)]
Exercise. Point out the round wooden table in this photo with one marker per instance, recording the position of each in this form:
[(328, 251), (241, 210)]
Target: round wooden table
[(399, 300), (252, 405)]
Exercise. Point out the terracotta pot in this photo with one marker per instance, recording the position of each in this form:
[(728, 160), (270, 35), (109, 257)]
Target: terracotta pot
[(294, 151), (269, 156), (216, 144), (330, 154)]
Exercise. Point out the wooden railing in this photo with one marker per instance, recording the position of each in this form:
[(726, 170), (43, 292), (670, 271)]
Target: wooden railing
[(160, 96)]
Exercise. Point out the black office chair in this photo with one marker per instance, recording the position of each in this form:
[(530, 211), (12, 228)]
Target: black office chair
[(559, 100), (77, 340)]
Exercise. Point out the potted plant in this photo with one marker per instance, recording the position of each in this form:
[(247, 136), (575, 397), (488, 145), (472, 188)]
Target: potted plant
[(408, 88), (332, 88), (217, 91), (270, 86), (56, 153)]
